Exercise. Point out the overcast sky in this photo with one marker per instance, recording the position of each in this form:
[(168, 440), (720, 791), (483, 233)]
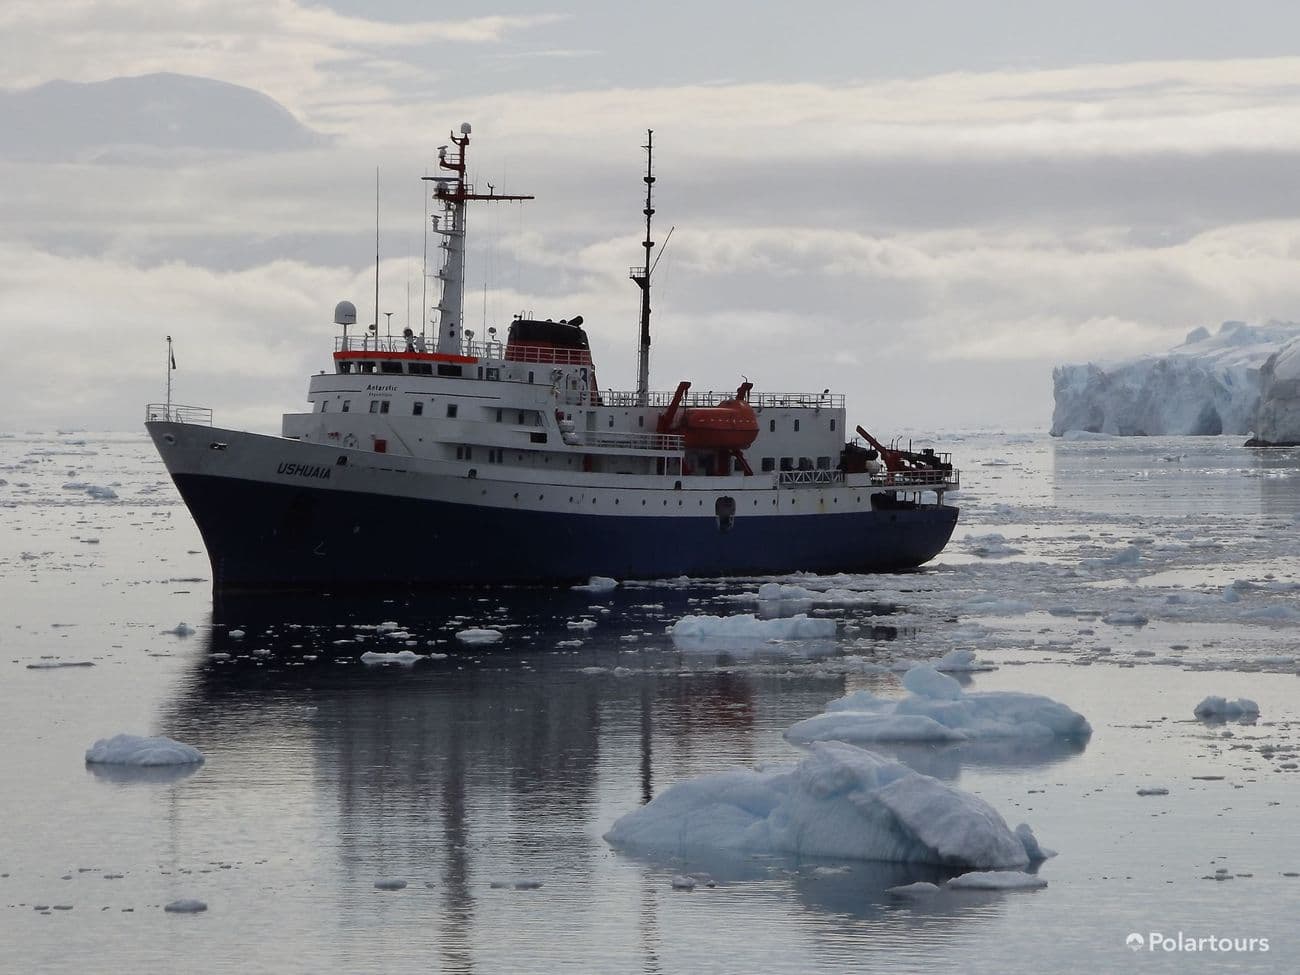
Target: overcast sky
[(925, 205)]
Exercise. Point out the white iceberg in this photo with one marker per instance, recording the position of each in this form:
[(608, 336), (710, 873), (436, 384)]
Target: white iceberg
[(1209, 385), (839, 802), (939, 710), (1277, 421), (997, 880), (142, 751), (407, 657), (598, 584), (749, 628), (476, 635), (1219, 707)]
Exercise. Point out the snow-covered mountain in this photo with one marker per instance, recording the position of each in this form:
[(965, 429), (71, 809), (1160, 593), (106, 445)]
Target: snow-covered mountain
[(1278, 419), (1208, 385)]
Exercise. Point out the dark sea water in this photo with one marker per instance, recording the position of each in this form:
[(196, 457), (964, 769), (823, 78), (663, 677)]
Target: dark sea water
[(1127, 578)]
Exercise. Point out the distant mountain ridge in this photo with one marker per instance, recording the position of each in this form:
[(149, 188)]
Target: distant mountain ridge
[(1208, 385), (95, 121)]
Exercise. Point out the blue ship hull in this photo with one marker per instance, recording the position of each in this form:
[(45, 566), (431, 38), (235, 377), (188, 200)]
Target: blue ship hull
[(266, 536)]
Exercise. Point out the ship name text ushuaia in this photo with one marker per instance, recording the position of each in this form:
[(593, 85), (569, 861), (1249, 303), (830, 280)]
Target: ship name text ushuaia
[(454, 458)]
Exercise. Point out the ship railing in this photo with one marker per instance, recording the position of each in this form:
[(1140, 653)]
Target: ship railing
[(923, 478), (810, 478), (627, 441), (564, 357), (759, 400), (178, 414)]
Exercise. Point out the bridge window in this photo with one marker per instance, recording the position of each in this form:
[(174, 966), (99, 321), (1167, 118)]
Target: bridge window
[(769, 464), (805, 463), (345, 367), (419, 368), (823, 463), (367, 367), (417, 408), (451, 411), (787, 463), (390, 367), (464, 453), (445, 369), (347, 405)]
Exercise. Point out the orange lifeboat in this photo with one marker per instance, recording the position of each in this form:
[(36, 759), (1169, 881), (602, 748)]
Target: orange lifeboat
[(731, 425)]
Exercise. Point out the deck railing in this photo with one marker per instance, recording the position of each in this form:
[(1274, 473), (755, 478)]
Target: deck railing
[(178, 414), (632, 441), (661, 398)]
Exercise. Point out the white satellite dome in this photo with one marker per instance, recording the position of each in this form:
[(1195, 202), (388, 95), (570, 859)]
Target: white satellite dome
[(345, 313)]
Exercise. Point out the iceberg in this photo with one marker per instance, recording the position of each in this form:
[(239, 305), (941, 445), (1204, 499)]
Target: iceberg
[(839, 801), (142, 751), (1208, 385), (1277, 422), (1215, 708), (747, 628), (939, 710)]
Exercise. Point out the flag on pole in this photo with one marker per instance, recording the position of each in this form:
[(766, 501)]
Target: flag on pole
[(170, 354)]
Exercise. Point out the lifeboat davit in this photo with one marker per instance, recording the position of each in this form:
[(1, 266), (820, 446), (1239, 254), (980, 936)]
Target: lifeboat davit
[(730, 425)]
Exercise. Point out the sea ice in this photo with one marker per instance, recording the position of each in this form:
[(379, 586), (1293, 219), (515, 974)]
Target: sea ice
[(748, 627), (839, 802), (236, 634), (181, 629), (390, 884), (1153, 790), (598, 584), (142, 751), (400, 657), (997, 880), (186, 905), (960, 662), (474, 635), (937, 710), (1218, 707), (919, 889), (1029, 841)]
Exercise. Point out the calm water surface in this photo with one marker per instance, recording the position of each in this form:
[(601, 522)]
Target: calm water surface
[(493, 768)]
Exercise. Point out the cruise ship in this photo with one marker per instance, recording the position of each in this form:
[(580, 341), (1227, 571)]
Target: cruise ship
[(450, 458)]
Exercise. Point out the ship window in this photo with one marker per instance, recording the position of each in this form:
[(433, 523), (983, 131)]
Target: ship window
[(365, 367), (796, 426), (493, 374), (324, 405), (530, 377), (390, 367), (640, 421), (480, 372), (417, 409), (445, 369), (611, 422), (537, 437), (832, 423), (823, 463), (451, 411), (347, 405), (769, 464), (345, 367), (771, 426), (787, 463), (383, 407), (374, 406), (419, 368), (464, 453), (805, 463)]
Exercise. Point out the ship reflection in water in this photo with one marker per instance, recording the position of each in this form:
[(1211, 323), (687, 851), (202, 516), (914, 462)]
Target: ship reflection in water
[(476, 776)]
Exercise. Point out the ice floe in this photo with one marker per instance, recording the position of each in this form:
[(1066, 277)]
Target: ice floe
[(598, 584), (1214, 707), (997, 880), (839, 802), (477, 635), (939, 710), (181, 629), (749, 628), (140, 750), (186, 905), (407, 657)]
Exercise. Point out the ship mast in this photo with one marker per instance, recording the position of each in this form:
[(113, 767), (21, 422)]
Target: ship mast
[(453, 192), (641, 275)]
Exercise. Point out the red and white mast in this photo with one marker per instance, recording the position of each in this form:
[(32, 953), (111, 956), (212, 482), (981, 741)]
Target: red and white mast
[(453, 192)]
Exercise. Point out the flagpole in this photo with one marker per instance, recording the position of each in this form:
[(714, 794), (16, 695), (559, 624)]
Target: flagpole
[(170, 360)]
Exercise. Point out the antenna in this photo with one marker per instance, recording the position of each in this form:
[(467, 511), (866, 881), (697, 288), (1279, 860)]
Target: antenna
[(375, 326), (641, 275), (424, 267)]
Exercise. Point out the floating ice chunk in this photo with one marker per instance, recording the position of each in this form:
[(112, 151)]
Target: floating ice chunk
[(994, 606), (474, 635), (236, 634), (924, 681), (142, 751), (598, 584), (1125, 619), (1027, 839), (181, 629), (523, 883), (991, 546), (919, 889), (838, 802), (400, 657), (390, 883), (1153, 790), (750, 628), (57, 664), (1219, 707), (1231, 594), (97, 491), (960, 662), (997, 880), (682, 882), (581, 624), (186, 905), (945, 716)]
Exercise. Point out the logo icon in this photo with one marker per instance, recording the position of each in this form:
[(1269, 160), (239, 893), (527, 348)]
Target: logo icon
[(1135, 941)]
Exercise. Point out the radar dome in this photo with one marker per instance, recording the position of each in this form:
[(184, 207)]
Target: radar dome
[(345, 313)]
